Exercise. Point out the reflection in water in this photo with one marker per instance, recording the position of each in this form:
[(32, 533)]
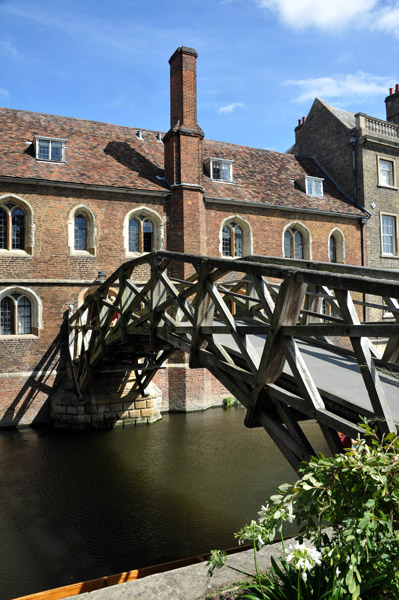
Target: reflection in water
[(75, 506)]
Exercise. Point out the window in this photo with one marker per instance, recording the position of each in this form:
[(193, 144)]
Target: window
[(50, 149), (219, 169), (386, 172), (232, 240), (143, 231), (293, 243), (332, 249), (15, 315), (82, 232), (314, 186), (389, 234), (141, 234), (12, 227)]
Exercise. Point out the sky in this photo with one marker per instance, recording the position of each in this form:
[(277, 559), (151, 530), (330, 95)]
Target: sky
[(260, 63)]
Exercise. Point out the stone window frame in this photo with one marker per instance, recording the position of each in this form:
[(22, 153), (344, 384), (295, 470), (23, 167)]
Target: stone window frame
[(306, 236), (158, 228), (247, 237), (391, 160), (29, 224), (43, 138), (82, 209), (36, 311), (395, 235), (340, 245)]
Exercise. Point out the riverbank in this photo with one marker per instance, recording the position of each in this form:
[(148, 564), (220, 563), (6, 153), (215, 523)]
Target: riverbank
[(186, 583)]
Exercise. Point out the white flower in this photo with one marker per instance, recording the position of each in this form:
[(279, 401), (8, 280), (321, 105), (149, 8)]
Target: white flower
[(304, 576)]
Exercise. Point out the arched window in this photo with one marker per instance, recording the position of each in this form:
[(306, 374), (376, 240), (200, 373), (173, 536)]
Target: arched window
[(336, 247), (12, 227), (80, 242), (293, 243), (15, 315), (141, 234), (82, 232), (232, 239), (143, 230)]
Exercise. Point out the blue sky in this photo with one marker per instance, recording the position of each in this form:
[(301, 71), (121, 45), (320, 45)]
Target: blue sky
[(260, 63)]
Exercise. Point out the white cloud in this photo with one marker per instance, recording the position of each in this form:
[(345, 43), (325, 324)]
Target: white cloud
[(345, 87), (229, 108), (8, 47), (333, 15), (4, 93)]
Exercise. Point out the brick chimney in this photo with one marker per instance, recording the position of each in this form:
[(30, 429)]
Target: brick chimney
[(183, 158), (392, 105)]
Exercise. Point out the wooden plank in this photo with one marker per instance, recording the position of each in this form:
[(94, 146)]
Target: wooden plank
[(367, 367)]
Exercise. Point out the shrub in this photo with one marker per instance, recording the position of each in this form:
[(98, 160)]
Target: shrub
[(347, 508)]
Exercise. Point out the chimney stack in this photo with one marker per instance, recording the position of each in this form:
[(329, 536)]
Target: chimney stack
[(392, 105), (183, 88)]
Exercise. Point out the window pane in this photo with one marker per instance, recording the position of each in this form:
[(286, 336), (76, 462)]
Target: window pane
[(333, 249), (3, 228), (388, 235), (56, 150), (226, 241), (216, 169), (226, 171), (288, 244), (298, 245), (237, 241), (386, 172), (6, 316), (44, 149), (80, 232), (134, 236), (24, 315), (147, 236), (18, 229)]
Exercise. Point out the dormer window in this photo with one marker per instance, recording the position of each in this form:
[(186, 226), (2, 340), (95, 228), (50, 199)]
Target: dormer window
[(312, 186), (220, 169), (50, 149)]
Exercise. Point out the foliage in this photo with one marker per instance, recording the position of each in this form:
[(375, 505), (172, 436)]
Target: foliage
[(356, 496)]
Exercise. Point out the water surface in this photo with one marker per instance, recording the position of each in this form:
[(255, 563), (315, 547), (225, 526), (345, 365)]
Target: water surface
[(75, 506)]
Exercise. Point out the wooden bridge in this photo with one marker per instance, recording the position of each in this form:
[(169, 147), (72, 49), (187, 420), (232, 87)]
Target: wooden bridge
[(288, 338)]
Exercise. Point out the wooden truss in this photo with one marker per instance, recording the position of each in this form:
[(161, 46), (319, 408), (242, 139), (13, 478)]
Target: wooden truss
[(247, 321)]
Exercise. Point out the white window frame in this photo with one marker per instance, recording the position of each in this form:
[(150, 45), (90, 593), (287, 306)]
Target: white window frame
[(392, 171), (394, 236), (314, 186), (225, 163), (40, 138)]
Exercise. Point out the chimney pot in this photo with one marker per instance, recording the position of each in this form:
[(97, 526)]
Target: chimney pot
[(397, 88), (303, 119), (299, 122), (390, 91)]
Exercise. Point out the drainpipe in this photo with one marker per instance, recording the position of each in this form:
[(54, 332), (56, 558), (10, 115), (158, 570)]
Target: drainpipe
[(364, 220)]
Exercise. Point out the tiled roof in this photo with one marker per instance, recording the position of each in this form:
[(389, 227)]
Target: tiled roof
[(96, 153), (269, 178), (110, 155)]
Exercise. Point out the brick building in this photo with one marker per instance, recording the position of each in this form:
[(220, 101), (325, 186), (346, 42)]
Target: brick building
[(80, 197)]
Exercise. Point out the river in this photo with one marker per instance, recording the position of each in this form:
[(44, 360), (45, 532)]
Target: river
[(75, 506)]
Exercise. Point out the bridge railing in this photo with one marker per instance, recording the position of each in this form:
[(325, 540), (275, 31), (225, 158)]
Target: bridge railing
[(242, 320)]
